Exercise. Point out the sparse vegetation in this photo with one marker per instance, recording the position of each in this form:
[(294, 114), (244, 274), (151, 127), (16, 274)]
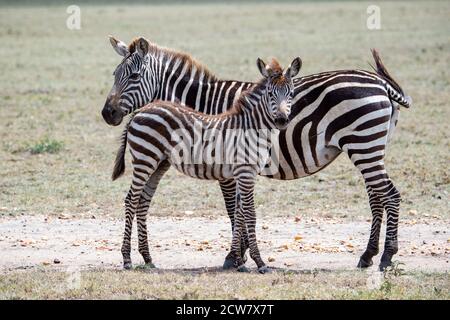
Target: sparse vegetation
[(45, 145), (60, 95), (101, 284)]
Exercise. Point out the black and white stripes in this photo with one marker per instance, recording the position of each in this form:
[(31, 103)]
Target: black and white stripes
[(350, 111), (152, 137)]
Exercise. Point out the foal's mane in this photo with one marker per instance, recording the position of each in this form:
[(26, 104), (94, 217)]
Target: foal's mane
[(276, 77)]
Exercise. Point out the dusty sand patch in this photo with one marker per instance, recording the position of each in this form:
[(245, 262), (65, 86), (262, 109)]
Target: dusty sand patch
[(183, 243)]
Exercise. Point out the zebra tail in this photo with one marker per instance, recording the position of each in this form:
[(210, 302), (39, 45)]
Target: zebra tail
[(119, 163), (394, 90)]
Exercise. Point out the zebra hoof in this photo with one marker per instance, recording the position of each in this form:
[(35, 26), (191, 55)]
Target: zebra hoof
[(264, 269), (243, 268), (228, 264), (127, 265), (362, 264), (384, 264), (146, 266)]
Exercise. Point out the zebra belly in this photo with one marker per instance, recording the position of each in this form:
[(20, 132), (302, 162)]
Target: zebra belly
[(286, 171), (206, 171), (301, 158)]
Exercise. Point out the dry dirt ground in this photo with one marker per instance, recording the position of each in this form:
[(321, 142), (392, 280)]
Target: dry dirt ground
[(195, 242)]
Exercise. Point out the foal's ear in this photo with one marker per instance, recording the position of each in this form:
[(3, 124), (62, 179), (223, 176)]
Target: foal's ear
[(263, 68), (142, 46), (294, 68), (120, 47)]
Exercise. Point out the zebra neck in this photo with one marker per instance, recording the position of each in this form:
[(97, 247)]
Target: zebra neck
[(253, 108), (195, 88), (253, 114)]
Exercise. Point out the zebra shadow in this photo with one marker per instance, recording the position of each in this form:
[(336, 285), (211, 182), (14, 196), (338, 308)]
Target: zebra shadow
[(219, 269)]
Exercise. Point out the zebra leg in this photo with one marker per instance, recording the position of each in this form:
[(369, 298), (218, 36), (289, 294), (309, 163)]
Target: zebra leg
[(246, 184), (141, 212), (228, 188), (131, 204), (238, 233), (391, 202), (377, 217), (381, 191)]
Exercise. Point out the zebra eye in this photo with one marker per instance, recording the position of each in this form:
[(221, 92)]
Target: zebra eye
[(134, 76)]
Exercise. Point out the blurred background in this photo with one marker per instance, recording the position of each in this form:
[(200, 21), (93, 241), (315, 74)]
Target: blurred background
[(57, 153)]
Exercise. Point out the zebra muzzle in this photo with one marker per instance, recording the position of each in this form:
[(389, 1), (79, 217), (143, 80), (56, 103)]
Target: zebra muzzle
[(281, 122), (111, 115)]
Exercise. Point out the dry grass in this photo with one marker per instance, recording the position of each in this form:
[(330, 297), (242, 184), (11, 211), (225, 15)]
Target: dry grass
[(317, 284)]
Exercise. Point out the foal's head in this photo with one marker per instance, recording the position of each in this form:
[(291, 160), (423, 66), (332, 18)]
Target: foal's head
[(279, 89)]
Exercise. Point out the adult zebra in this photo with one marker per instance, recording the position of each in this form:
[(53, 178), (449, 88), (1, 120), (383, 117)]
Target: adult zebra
[(160, 130), (351, 111)]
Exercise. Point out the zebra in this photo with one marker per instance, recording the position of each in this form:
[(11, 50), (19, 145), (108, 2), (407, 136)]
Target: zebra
[(153, 136), (334, 112)]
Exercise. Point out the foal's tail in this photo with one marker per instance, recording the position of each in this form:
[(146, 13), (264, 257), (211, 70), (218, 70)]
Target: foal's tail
[(119, 163), (394, 90)]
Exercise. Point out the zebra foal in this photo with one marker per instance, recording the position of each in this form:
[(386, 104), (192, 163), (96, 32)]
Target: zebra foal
[(164, 133)]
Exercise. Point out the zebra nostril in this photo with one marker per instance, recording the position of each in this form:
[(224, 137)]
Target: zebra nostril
[(113, 112)]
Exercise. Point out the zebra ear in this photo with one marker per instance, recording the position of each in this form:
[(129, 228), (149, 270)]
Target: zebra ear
[(262, 68), (142, 46), (120, 47), (294, 68)]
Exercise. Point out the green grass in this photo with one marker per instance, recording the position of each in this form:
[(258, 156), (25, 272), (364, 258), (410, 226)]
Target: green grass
[(101, 284), (46, 145)]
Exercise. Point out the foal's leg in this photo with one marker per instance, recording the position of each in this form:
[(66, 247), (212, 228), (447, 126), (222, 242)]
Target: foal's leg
[(238, 233), (245, 178), (228, 188), (140, 175), (141, 212)]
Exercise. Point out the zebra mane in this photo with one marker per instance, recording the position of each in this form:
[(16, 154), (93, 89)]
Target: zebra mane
[(185, 58)]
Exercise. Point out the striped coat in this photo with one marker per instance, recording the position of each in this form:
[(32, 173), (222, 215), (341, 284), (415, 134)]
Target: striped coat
[(159, 131)]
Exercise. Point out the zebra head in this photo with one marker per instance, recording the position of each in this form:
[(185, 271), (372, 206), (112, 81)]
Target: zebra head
[(279, 89), (134, 80)]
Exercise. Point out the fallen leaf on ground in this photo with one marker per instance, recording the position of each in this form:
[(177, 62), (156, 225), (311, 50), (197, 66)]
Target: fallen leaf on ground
[(27, 242), (104, 248), (271, 259)]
